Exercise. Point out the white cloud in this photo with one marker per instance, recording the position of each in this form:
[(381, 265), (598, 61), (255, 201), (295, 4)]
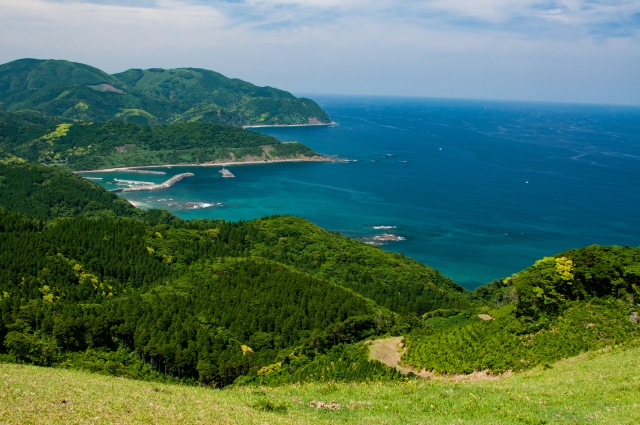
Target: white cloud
[(453, 12), (540, 50)]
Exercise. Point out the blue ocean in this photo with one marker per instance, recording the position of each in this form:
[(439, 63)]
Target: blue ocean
[(476, 189)]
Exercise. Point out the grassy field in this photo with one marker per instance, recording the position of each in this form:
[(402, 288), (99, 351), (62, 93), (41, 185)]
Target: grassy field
[(594, 388)]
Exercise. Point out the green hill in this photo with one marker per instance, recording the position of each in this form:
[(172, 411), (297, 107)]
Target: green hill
[(31, 75), (151, 296), (212, 97), (35, 137), (391, 279), (46, 192), (78, 92)]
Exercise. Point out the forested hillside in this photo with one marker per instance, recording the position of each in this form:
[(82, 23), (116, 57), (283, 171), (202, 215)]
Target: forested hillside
[(391, 279), (39, 138), (94, 293), (79, 92), (89, 282), (147, 295), (47, 192)]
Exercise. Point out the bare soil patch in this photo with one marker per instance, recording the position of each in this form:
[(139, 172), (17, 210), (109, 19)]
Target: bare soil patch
[(389, 351)]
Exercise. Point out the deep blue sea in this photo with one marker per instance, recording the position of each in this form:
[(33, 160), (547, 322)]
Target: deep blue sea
[(478, 189)]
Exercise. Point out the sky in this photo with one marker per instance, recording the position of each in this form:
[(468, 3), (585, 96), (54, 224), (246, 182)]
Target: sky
[(584, 51)]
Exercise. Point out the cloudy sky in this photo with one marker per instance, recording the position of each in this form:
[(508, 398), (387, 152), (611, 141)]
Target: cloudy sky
[(542, 50)]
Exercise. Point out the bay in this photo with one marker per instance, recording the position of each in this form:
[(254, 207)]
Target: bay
[(478, 189)]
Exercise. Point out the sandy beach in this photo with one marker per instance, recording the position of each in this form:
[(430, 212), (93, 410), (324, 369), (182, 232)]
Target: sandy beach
[(218, 164), (290, 125)]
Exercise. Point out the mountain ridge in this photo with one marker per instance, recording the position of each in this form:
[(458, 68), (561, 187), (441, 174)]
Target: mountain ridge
[(80, 92)]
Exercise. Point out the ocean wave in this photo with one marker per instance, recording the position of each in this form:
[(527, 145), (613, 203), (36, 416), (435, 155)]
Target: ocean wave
[(384, 227)]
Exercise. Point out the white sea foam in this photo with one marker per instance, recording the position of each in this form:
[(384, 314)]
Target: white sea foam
[(201, 205), (384, 227)]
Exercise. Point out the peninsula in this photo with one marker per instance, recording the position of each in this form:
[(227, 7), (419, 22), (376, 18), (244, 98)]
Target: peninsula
[(117, 145)]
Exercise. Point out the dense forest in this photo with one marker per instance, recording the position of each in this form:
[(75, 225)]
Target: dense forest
[(48, 192), (76, 286), (79, 92), (39, 138), (148, 295), (89, 282)]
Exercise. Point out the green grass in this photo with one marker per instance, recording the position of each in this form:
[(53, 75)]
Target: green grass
[(598, 387)]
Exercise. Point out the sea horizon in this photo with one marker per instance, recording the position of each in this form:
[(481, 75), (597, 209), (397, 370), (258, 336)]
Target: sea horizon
[(313, 96)]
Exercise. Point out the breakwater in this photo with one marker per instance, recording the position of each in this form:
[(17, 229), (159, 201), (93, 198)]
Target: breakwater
[(132, 182), (164, 185)]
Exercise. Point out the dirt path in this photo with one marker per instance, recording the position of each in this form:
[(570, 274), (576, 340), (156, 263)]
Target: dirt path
[(389, 351)]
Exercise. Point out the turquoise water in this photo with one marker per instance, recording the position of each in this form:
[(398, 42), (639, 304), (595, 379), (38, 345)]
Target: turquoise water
[(479, 190)]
